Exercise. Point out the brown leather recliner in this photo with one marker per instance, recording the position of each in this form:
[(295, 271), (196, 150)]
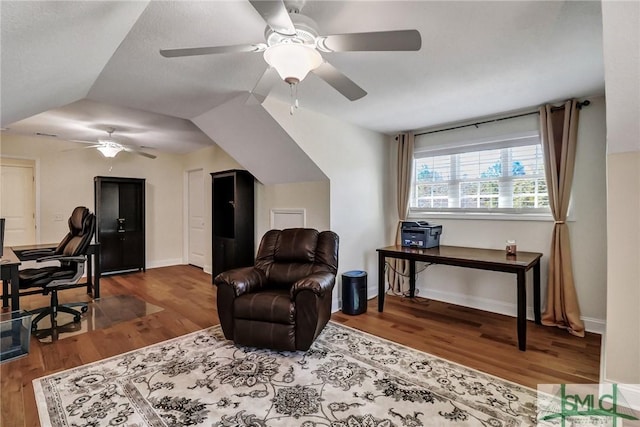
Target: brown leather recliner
[(284, 301)]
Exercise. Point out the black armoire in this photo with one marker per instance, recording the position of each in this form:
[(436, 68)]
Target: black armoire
[(232, 220), (119, 208)]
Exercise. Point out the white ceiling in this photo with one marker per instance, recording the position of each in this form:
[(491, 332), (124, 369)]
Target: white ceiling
[(77, 68)]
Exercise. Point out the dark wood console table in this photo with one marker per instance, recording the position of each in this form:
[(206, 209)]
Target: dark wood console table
[(483, 259)]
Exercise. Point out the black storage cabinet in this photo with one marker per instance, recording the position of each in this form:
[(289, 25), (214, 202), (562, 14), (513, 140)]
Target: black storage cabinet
[(120, 223), (354, 292), (232, 202)]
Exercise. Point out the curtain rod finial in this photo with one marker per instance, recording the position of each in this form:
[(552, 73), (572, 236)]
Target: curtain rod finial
[(584, 103)]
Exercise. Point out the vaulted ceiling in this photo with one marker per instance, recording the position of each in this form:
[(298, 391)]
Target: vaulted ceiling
[(76, 68)]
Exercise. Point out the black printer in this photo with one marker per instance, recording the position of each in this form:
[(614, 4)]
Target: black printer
[(420, 234)]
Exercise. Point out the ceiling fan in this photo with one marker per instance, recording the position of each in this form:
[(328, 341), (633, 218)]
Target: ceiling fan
[(110, 147), (292, 47)]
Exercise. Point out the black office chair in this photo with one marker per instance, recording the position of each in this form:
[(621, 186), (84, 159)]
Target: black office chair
[(71, 253)]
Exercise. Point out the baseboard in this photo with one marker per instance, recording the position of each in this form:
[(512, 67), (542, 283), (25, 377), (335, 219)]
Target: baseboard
[(597, 326), (164, 263), (630, 393)]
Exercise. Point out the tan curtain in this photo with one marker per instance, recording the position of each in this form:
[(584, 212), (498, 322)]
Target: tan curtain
[(558, 127), (398, 273)]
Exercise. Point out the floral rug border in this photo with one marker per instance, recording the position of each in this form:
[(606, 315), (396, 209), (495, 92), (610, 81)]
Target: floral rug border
[(403, 373)]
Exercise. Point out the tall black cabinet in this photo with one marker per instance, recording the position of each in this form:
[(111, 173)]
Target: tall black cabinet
[(233, 220), (120, 210)]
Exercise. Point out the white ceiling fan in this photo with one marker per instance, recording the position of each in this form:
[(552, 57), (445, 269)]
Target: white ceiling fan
[(109, 147), (292, 48)]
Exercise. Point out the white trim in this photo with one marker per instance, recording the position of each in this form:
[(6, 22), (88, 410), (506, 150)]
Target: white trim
[(36, 177), (291, 214), (597, 326), (424, 149), (165, 263), (603, 355), (630, 393), (482, 216), (185, 213), (593, 325)]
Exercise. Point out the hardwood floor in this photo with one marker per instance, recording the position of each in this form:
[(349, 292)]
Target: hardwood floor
[(181, 299)]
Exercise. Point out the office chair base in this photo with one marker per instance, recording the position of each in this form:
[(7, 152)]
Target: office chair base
[(65, 308)]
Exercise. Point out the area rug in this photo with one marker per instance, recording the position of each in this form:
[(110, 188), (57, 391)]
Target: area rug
[(347, 379)]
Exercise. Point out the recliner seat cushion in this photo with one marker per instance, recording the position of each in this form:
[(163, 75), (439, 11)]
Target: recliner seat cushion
[(276, 336), (273, 306)]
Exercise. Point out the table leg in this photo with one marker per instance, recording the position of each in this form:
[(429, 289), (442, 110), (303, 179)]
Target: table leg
[(5, 293), (522, 311), (412, 278), (381, 260), (15, 288), (89, 273), (536, 293), (98, 273)]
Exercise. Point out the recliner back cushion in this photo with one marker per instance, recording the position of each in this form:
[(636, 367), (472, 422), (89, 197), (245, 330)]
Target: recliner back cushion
[(288, 255), (296, 245)]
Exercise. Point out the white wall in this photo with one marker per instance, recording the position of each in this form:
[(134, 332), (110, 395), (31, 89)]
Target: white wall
[(64, 180), (621, 42), (313, 197), (494, 291), (354, 160)]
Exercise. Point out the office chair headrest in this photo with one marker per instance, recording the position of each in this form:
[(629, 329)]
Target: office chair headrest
[(77, 220)]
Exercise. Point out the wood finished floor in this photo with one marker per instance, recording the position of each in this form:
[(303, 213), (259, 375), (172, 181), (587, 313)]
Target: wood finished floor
[(481, 340)]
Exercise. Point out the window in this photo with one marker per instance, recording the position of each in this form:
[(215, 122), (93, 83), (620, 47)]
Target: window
[(504, 176)]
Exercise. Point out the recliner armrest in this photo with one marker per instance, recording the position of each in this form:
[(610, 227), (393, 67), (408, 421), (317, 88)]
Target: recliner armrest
[(242, 280), (318, 283)]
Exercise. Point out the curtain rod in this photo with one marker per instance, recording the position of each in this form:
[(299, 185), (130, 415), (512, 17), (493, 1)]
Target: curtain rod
[(580, 105)]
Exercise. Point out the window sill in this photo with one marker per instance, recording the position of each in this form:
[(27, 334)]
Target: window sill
[(482, 216)]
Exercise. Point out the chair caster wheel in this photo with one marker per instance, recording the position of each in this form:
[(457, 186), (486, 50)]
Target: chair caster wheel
[(84, 309)]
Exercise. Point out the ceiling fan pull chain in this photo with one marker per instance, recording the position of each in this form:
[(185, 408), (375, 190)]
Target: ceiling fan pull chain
[(293, 89)]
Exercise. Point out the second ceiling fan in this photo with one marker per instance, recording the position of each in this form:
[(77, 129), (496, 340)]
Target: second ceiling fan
[(109, 147), (292, 48)]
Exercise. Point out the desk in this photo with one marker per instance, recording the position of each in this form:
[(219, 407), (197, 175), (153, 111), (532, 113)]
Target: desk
[(15, 254), (483, 259), (9, 272)]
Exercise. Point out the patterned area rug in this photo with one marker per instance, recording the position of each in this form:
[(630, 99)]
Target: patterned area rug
[(347, 379)]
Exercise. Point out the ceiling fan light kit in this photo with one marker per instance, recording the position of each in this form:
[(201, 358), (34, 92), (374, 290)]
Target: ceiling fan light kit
[(293, 46), (109, 148), (292, 61)]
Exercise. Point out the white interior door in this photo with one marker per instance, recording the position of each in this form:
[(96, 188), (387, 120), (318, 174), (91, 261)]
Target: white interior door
[(18, 201), (196, 218)]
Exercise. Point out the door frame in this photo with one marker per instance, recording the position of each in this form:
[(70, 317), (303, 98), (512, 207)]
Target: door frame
[(36, 195), (207, 268)]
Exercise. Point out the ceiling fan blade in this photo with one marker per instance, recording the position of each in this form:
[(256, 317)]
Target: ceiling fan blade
[(264, 85), (85, 142), (194, 51), (339, 81), (275, 14), (141, 153), (401, 40), (80, 148)]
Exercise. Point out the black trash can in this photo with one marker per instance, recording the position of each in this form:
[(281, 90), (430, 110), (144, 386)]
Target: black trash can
[(354, 292)]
